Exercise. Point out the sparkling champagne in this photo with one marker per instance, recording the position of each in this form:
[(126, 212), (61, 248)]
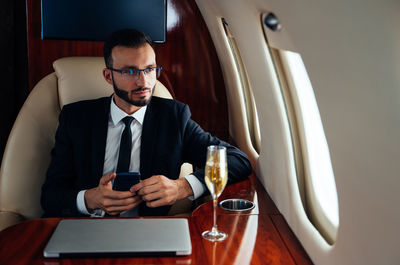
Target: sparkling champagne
[(216, 176)]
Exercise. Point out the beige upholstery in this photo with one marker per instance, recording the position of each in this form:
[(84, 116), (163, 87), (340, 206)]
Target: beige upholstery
[(27, 154)]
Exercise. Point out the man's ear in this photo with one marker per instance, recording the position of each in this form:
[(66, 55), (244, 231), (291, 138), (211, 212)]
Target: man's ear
[(107, 75)]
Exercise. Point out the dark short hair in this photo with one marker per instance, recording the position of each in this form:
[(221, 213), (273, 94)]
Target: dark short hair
[(131, 38)]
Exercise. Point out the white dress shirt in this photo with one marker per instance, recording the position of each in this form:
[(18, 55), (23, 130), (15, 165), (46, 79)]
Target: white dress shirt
[(114, 133)]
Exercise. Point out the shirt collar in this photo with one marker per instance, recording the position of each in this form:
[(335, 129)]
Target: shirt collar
[(117, 114)]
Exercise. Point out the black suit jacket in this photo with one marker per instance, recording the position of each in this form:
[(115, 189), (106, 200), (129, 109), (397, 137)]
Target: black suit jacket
[(169, 138)]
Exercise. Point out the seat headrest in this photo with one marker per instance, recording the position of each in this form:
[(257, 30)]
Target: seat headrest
[(81, 78)]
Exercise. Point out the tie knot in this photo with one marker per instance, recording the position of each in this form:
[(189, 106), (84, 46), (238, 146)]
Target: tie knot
[(127, 120)]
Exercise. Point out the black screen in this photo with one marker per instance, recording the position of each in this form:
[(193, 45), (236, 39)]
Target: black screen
[(97, 19)]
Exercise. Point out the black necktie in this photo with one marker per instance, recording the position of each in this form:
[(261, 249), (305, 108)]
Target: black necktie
[(125, 146)]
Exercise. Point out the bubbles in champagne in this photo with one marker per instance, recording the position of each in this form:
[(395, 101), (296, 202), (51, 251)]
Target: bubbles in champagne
[(216, 176)]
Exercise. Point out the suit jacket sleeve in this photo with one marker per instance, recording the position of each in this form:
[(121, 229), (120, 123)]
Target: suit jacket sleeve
[(195, 143), (58, 193)]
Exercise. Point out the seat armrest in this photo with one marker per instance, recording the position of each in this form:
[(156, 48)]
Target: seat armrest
[(184, 206), (9, 218)]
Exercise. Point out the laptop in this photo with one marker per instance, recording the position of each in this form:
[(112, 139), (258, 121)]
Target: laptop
[(120, 237)]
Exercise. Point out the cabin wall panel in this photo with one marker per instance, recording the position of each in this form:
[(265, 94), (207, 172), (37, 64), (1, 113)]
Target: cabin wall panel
[(353, 63), (13, 69), (191, 69)]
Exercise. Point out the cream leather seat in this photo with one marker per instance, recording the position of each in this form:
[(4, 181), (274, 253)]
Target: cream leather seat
[(27, 154)]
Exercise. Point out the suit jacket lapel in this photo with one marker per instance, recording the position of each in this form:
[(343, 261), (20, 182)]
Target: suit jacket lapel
[(99, 137), (149, 135)]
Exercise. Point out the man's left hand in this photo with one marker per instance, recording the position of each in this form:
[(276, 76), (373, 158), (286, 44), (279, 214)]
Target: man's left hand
[(159, 190)]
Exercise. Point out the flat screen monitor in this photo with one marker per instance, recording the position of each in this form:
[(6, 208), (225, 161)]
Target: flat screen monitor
[(97, 19)]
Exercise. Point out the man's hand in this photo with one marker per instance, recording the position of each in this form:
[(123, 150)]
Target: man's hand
[(112, 202), (159, 190)]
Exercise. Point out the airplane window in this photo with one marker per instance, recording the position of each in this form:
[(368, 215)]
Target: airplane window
[(251, 109), (321, 194), (313, 164)]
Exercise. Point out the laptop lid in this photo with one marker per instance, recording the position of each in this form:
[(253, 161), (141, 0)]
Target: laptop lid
[(120, 237)]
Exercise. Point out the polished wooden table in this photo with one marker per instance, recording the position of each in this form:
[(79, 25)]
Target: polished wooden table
[(259, 236)]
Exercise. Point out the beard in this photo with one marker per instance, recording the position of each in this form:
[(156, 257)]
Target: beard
[(124, 95)]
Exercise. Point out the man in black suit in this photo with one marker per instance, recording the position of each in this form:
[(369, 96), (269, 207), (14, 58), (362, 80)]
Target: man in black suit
[(161, 137)]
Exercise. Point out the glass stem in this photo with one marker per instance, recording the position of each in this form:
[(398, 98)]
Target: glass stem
[(215, 204)]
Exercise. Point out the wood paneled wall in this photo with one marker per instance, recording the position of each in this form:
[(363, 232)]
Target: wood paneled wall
[(191, 69)]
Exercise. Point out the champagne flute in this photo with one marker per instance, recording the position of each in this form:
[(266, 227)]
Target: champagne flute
[(216, 176)]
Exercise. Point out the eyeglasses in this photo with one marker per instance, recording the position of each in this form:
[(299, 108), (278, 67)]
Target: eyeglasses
[(133, 72)]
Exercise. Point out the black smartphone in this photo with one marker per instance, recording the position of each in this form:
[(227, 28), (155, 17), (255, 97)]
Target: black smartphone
[(125, 180)]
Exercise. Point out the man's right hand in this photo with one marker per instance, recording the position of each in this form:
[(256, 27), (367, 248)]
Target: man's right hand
[(112, 202)]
